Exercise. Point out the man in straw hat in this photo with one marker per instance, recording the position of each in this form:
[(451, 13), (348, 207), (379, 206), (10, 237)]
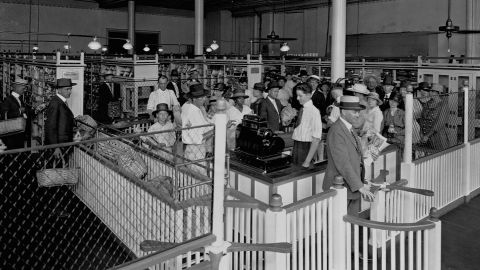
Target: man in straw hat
[(344, 153), (60, 122), (14, 107), (197, 140)]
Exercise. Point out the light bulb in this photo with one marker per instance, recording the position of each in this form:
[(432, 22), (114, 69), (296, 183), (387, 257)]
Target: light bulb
[(66, 47), (160, 49), (209, 50), (285, 47), (104, 49), (35, 47), (146, 49), (214, 45), (128, 45), (94, 44)]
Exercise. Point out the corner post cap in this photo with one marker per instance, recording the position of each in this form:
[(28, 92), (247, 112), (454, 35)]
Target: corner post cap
[(434, 214), (276, 203), (221, 105), (338, 182)]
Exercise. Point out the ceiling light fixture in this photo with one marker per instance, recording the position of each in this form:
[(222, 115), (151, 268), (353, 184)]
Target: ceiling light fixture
[(104, 49), (94, 44), (67, 46), (285, 47), (146, 48), (209, 50), (214, 45), (160, 49), (35, 48), (127, 45)]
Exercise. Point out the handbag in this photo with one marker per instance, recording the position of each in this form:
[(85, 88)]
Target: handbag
[(12, 125), (58, 176)]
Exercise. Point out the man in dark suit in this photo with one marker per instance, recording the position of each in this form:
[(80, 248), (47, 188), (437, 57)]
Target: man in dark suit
[(271, 108), (14, 107), (105, 96), (258, 89), (344, 153), (60, 121)]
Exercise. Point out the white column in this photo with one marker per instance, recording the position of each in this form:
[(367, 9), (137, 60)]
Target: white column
[(131, 24), (275, 232), (434, 244), (407, 167), (407, 151), (199, 12), (339, 19)]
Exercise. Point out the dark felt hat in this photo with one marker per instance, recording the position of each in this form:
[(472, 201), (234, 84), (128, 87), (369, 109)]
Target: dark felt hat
[(197, 91), (272, 85), (350, 103), (161, 107), (259, 86), (424, 86), (174, 72), (63, 82), (388, 80), (302, 73)]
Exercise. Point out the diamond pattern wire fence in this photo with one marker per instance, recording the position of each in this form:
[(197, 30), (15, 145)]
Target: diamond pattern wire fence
[(473, 114), (438, 123), (123, 201)]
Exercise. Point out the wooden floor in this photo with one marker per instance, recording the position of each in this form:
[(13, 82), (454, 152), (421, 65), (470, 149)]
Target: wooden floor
[(461, 237)]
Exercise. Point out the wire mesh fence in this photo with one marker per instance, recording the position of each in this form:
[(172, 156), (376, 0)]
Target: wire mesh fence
[(438, 122), (99, 203), (473, 114)]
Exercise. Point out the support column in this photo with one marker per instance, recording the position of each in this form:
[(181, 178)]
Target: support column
[(199, 12), (256, 33), (470, 39), (407, 169), (339, 20), (467, 184), (131, 24)]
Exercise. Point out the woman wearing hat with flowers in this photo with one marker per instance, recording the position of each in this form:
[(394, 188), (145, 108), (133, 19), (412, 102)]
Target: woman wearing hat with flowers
[(164, 140)]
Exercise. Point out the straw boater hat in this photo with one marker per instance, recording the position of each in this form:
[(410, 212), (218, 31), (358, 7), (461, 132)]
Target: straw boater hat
[(20, 81), (63, 82), (314, 77), (375, 96), (161, 107), (350, 103), (239, 94), (360, 88)]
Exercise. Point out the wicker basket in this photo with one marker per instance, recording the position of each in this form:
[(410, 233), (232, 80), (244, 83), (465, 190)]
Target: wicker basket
[(12, 125), (58, 176)]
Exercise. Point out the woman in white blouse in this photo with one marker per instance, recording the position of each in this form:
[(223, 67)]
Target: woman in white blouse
[(373, 116)]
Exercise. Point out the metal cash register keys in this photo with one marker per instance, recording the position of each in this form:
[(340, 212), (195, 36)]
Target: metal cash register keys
[(259, 146)]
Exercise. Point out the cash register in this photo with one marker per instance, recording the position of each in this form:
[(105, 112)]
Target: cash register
[(260, 147)]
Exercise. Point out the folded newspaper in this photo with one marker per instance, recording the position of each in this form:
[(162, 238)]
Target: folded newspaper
[(374, 145)]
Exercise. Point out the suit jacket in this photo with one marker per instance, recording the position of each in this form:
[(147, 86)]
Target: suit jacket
[(343, 159), (105, 96), (318, 100), (10, 108), (255, 106), (59, 123), (268, 112)]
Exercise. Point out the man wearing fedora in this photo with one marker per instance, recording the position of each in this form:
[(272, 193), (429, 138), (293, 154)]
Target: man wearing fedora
[(105, 96), (60, 122), (271, 108), (388, 88), (197, 141), (235, 115), (258, 89), (173, 84), (14, 107), (344, 153)]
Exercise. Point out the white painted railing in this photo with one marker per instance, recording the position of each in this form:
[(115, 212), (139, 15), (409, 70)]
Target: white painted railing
[(474, 165), (443, 174)]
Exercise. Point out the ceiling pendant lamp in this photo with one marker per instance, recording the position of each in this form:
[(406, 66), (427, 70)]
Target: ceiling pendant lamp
[(160, 49), (35, 48), (146, 48), (209, 50), (104, 49), (285, 47), (94, 44), (214, 45), (127, 45)]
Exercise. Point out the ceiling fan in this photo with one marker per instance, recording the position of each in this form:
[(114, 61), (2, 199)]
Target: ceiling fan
[(449, 28)]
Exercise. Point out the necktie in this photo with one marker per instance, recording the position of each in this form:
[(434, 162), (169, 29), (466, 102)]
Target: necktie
[(299, 118), (359, 150), (357, 142)]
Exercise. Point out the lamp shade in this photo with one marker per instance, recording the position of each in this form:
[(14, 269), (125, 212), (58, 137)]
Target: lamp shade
[(104, 49), (128, 45), (35, 47), (94, 44), (214, 45), (208, 50), (160, 49), (146, 48)]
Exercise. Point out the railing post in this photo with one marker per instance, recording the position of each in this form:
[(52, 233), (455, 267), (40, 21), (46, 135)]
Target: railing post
[(219, 247), (467, 185), (407, 167), (275, 232), (435, 241), (339, 210)]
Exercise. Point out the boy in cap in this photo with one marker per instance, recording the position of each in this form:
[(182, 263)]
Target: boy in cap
[(165, 140)]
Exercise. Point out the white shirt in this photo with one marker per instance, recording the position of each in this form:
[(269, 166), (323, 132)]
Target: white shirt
[(62, 97), (373, 120), (192, 116), (17, 97), (310, 125), (159, 96), (283, 96), (234, 114), (167, 138)]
